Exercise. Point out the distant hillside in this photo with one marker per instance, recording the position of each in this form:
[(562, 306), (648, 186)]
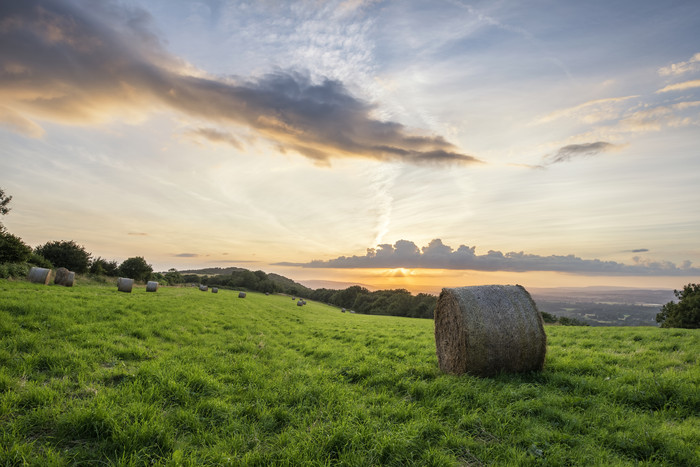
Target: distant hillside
[(212, 271)]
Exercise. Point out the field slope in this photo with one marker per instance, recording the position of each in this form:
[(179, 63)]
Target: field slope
[(181, 377)]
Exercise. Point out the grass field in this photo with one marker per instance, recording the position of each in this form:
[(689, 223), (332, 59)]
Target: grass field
[(181, 377)]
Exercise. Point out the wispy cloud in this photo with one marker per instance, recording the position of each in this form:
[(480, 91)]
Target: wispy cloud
[(571, 151), (436, 255), (138, 234), (589, 112), (680, 68), (216, 136), (681, 86), (66, 62), (186, 255)]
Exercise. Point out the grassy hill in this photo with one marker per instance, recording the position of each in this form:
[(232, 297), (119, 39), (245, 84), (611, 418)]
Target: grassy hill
[(89, 375)]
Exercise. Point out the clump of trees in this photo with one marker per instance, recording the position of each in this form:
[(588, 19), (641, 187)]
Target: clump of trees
[(136, 268), (397, 302), (66, 254), (685, 313)]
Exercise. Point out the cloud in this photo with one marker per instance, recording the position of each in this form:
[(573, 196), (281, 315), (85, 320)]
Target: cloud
[(186, 255), (81, 63), (138, 234), (589, 112), (571, 151), (681, 86), (216, 136), (680, 68), (405, 254), (638, 250)]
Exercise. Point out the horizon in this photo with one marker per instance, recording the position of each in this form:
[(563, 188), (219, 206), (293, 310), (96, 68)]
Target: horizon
[(397, 144)]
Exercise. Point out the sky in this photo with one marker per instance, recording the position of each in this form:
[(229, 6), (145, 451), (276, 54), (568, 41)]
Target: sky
[(396, 144)]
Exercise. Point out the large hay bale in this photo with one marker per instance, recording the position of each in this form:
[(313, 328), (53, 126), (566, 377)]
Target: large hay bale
[(484, 330), (64, 277), (241, 294), (151, 286), (125, 284), (39, 275)]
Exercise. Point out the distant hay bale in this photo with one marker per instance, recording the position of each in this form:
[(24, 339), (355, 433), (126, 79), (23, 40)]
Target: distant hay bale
[(125, 284), (151, 286), (39, 275), (300, 303), (241, 294), (214, 290), (203, 288), (64, 277), (342, 310), (487, 329)]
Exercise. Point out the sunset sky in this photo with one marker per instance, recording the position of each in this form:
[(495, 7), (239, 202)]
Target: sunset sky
[(414, 144)]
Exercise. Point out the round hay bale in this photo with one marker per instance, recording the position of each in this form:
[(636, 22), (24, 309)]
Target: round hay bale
[(64, 277), (214, 290), (484, 330), (203, 288), (241, 294), (125, 284), (342, 310), (151, 286), (39, 275)]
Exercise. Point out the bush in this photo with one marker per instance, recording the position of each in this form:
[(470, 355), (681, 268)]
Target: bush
[(38, 260), (66, 254), (102, 267), (12, 248), (14, 270), (685, 313), (174, 277), (136, 268)]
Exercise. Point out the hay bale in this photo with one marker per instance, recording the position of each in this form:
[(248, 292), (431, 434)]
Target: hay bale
[(342, 310), (214, 290), (203, 288), (487, 329), (300, 303), (39, 275), (64, 277), (241, 294), (125, 284), (151, 286)]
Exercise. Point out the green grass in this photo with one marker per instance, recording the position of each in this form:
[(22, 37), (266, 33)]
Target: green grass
[(89, 375)]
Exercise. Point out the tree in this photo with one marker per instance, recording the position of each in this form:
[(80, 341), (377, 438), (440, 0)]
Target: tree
[(4, 201), (100, 266), (685, 313), (136, 268), (66, 254), (173, 276), (12, 248)]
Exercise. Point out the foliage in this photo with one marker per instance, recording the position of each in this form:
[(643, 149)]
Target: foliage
[(565, 321), (685, 313), (38, 260), (4, 201), (100, 266), (548, 317), (136, 268), (91, 376), (160, 278), (66, 254), (14, 270), (12, 248), (173, 277), (397, 302)]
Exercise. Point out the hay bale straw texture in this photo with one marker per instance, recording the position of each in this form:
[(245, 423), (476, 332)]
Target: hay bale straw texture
[(485, 330), (125, 284), (64, 277), (39, 275), (151, 286)]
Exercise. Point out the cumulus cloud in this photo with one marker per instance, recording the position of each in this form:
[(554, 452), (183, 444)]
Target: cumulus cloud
[(680, 68), (437, 255), (78, 63), (571, 151)]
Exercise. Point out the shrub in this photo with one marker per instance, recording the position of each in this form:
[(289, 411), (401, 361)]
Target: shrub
[(14, 270), (12, 248), (66, 254), (685, 313), (100, 266), (136, 268), (38, 260)]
